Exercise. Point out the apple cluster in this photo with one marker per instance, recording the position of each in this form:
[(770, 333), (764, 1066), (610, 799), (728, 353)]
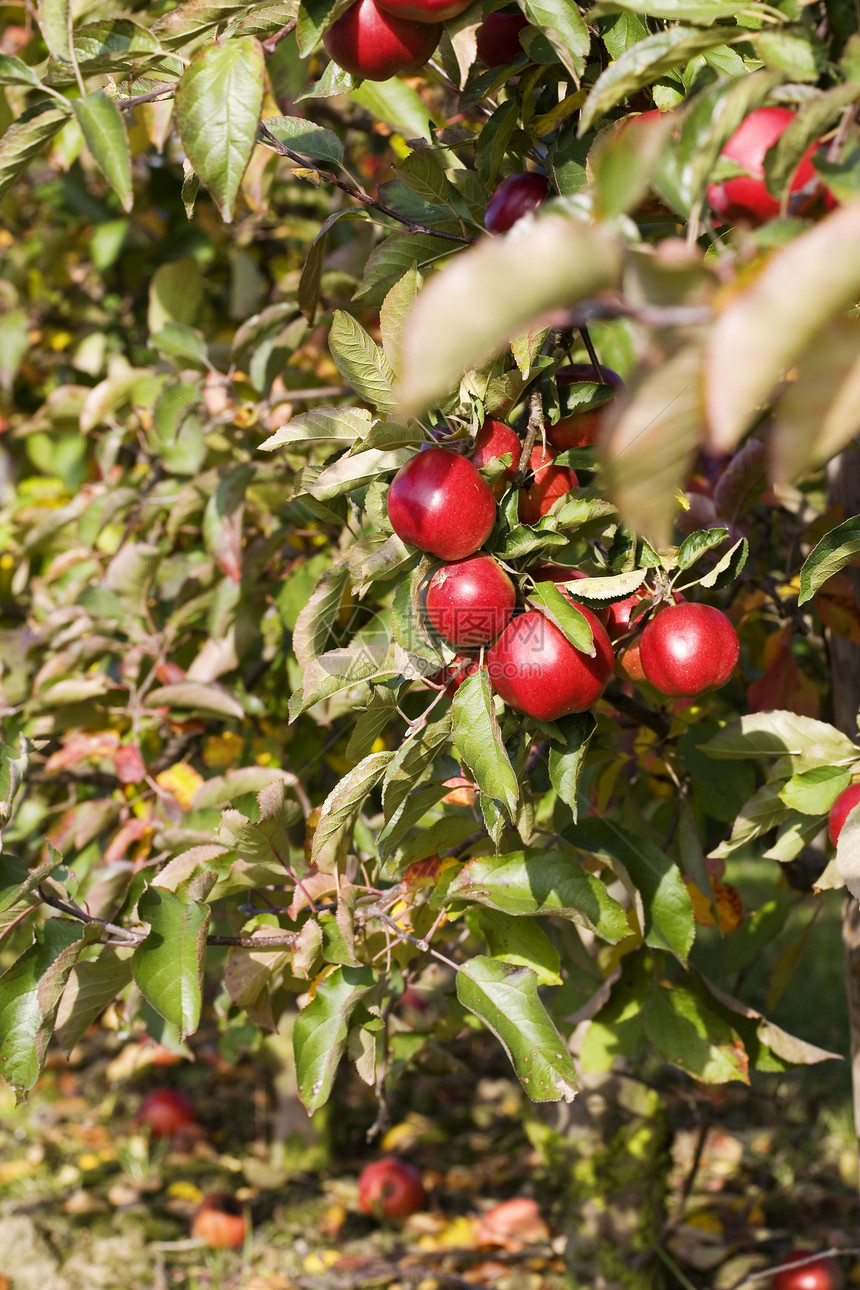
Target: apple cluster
[(440, 503), (377, 39)]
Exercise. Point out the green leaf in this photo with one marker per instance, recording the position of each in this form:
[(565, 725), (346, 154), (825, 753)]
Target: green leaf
[(352, 471), (813, 792), (222, 521), (339, 810), (360, 361), (796, 52), (90, 988), (317, 617), (727, 569), (218, 106), (478, 740), (321, 424), (705, 11), (175, 295), (834, 552), (320, 1031), (697, 544), (168, 964), (520, 942), (194, 19), (766, 328), (25, 138), (690, 1035), (185, 343), (14, 344), (264, 841), (653, 440), (493, 291), (397, 104), (507, 1001), (394, 311), (14, 763), (493, 141), (564, 26), (761, 813), (371, 723), (55, 23), (423, 171), (13, 71), (527, 883), (565, 764), (669, 920), (779, 734), (566, 616), (130, 574), (818, 415), (104, 131), (336, 670), (304, 137), (30, 992), (811, 120), (644, 63), (196, 696), (393, 257)]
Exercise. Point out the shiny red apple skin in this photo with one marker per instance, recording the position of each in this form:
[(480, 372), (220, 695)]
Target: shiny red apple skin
[(375, 45), (499, 38), (424, 10), (439, 503), (548, 483), (824, 1274), (536, 670), (839, 811), (515, 197), (492, 441), (219, 1222), (581, 429), (166, 1112), (746, 198), (470, 601), (390, 1188), (689, 649)]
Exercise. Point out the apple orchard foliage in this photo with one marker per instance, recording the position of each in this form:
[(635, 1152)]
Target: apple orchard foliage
[(230, 314)]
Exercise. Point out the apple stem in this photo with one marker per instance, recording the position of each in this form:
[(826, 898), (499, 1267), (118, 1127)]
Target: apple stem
[(592, 352)]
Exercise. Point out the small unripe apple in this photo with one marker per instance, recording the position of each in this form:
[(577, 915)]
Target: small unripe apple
[(439, 503), (424, 10), (375, 45), (746, 198), (548, 484), (470, 601), (166, 1112), (536, 670), (580, 429), (492, 441), (688, 649), (515, 197), (823, 1274), (840, 810), (220, 1222), (390, 1188), (498, 38)]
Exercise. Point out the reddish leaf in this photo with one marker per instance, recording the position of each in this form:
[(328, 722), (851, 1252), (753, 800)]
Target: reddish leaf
[(784, 685), (130, 768), (837, 607)]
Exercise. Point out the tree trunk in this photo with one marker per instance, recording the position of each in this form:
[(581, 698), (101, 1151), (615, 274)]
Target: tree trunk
[(844, 491)]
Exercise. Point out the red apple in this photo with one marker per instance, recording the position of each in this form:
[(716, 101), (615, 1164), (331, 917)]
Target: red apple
[(515, 197), (746, 199), (470, 601), (424, 10), (492, 441), (628, 662), (688, 649), (839, 811), (823, 1274), (166, 1112), (439, 503), (499, 38), (580, 429), (390, 1188), (548, 484), (375, 45), (219, 1221), (536, 670)]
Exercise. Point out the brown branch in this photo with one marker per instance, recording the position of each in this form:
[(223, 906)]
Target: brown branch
[(641, 715), (270, 45), (157, 93), (358, 194), (535, 424)]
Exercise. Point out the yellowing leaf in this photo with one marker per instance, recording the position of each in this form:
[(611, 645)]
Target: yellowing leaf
[(183, 1190), (223, 750), (182, 781), (727, 900)]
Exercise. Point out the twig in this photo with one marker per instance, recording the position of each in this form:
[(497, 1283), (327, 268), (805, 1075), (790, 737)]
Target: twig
[(358, 194), (125, 104), (270, 45), (643, 716), (535, 424), (414, 940), (592, 352)]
